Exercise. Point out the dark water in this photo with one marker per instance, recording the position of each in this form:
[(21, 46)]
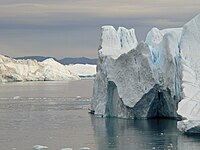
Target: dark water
[(121, 134), (51, 114)]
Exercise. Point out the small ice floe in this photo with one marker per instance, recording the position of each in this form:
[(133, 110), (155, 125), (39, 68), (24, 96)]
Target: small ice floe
[(189, 126), (78, 97), (16, 97), (40, 147), (66, 149), (170, 145), (84, 148)]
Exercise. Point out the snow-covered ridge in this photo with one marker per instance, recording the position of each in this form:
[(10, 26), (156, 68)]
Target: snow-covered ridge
[(82, 70), (31, 70), (152, 78)]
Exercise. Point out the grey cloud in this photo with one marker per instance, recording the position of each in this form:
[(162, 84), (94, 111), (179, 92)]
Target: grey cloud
[(72, 27)]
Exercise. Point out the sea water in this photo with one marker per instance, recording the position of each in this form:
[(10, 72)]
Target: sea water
[(55, 114)]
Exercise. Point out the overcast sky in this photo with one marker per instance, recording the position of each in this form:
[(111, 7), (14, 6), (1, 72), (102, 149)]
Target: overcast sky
[(71, 28)]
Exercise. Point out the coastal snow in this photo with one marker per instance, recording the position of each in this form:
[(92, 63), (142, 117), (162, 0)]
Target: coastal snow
[(31, 70), (82, 70)]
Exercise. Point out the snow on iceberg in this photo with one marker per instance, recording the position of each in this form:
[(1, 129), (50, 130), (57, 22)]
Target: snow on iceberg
[(31, 70), (155, 37), (154, 78), (116, 42)]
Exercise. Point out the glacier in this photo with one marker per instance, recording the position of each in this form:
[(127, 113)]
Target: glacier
[(12, 70), (155, 78), (31, 70), (83, 70)]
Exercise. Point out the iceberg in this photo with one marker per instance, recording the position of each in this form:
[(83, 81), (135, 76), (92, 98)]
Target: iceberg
[(129, 84), (159, 77), (189, 106), (31, 70)]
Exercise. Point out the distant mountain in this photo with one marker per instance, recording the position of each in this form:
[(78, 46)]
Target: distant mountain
[(65, 61), (38, 58), (78, 60)]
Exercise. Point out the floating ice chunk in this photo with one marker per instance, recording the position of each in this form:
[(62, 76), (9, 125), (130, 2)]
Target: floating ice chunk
[(40, 147), (189, 126), (66, 149), (78, 97), (84, 148), (16, 97)]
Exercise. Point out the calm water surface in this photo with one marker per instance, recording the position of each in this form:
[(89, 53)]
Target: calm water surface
[(55, 114)]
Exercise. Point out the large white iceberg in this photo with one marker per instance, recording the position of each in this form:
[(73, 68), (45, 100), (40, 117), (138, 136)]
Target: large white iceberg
[(134, 83), (156, 78), (31, 70), (189, 107)]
